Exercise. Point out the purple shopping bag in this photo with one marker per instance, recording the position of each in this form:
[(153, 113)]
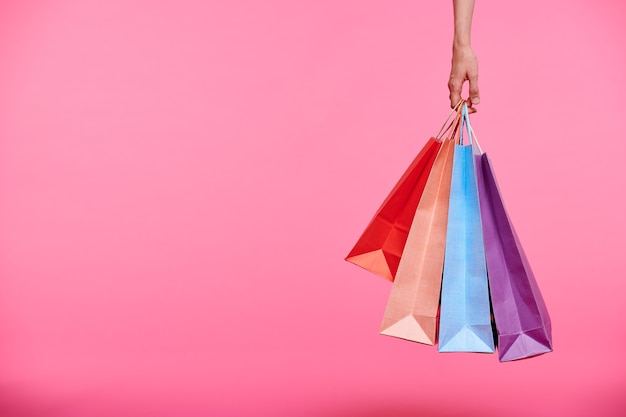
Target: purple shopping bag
[(520, 313)]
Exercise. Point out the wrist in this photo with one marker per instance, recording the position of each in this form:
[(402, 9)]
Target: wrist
[(461, 42)]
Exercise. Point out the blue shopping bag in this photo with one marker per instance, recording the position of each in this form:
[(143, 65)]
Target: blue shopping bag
[(465, 317)]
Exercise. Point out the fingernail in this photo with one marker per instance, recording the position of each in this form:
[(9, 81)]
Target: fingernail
[(475, 100)]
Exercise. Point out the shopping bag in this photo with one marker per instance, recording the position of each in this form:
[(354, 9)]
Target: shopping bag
[(379, 248), (521, 317), (465, 316), (413, 304)]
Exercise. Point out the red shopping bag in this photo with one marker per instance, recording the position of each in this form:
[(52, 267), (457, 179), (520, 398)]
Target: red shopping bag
[(380, 247)]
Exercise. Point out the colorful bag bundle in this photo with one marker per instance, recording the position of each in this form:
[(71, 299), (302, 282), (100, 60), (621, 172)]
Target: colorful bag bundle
[(443, 237)]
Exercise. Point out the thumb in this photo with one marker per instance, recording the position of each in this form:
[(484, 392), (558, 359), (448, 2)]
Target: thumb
[(474, 92)]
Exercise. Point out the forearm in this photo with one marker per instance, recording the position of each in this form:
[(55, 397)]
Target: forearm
[(463, 10), (464, 62)]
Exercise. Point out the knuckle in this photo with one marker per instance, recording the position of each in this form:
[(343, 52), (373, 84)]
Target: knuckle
[(454, 83)]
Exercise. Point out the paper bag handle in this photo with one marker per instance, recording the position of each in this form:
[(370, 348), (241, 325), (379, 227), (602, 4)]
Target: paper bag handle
[(465, 123), (470, 131), (453, 122)]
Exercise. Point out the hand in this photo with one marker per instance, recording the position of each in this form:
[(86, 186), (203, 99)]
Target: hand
[(464, 67)]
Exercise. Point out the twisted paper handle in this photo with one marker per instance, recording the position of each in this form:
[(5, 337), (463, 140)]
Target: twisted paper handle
[(457, 110)]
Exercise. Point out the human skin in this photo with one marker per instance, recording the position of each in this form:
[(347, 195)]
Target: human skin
[(464, 62)]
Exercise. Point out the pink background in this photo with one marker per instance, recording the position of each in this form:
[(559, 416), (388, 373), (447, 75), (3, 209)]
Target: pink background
[(181, 180)]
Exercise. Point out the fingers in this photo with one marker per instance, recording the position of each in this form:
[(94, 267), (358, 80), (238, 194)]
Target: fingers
[(455, 84)]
